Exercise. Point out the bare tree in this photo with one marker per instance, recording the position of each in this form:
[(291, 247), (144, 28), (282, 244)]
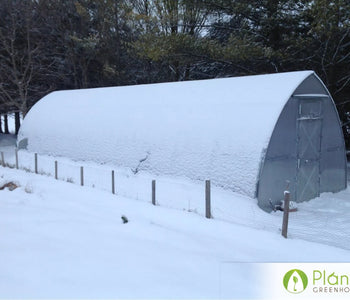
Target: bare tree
[(24, 66), (17, 57)]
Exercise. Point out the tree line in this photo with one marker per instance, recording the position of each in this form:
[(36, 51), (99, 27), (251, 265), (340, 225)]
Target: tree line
[(47, 45)]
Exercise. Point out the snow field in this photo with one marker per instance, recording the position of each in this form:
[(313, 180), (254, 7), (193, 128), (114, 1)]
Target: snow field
[(60, 240), (324, 220)]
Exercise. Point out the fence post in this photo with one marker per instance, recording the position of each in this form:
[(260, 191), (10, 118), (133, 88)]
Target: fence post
[(56, 170), (113, 183), (207, 199), (16, 152), (36, 162), (2, 159), (81, 176), (285, 213), (153, 192)]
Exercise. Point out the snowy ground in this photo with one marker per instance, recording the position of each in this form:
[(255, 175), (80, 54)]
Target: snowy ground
[(61, 240), (7, 142)]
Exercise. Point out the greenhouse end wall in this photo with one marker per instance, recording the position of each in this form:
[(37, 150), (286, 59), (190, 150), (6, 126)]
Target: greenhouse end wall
[(306, 152)]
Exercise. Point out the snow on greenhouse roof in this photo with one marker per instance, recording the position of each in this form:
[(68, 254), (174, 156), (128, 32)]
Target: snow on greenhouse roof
[(209, 129)]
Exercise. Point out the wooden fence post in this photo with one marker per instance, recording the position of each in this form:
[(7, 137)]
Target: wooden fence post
[(2, 159), (56, 170), (285, 213), (113, 183), (16, 153), (207, 199), (36, 162), (153, 192), (81, 176)]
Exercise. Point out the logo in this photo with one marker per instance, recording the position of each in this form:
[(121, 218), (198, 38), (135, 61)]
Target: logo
[(295, 281)]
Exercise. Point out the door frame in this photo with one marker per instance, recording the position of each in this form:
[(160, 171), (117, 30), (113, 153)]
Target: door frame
[(308, 118)]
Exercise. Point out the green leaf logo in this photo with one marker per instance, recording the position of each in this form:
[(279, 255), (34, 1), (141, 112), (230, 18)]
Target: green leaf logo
[(295, 281)]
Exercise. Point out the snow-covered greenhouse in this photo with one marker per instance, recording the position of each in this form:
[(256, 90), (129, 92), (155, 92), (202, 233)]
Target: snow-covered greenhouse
[(251, 134)]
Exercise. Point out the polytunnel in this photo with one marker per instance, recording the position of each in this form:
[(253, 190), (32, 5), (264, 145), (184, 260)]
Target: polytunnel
[(256, 135)]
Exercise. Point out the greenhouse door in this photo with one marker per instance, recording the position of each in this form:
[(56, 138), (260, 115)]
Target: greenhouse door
[(309, 133)]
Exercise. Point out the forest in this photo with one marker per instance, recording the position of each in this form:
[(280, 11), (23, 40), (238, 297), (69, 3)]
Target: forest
[(48, 45)]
